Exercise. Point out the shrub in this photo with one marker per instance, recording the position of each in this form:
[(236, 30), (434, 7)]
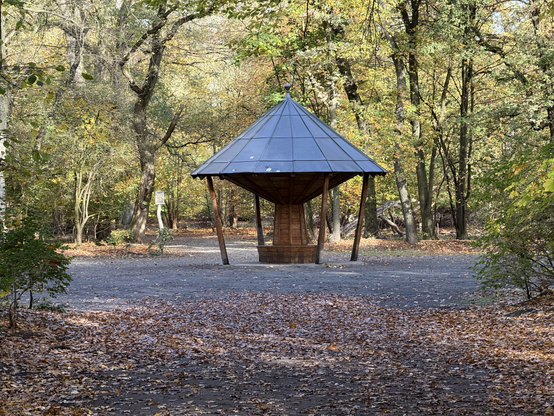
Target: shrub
[(48, 305), (117, 237), (30, 260), (519, 243), (165, 234)]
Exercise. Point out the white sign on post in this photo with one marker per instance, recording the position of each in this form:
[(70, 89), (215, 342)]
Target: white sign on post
[(159, 197)]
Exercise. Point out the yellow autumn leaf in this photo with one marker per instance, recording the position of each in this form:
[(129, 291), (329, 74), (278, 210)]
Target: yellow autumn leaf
[(549, 185)]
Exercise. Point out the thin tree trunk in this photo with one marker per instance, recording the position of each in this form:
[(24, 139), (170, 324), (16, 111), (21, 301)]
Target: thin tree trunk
[(431, 215), (335, 195), (371, 221), (358, 234), (5, 104), (83, 192), (411, 24), (401, 183), (323, 214), (461, 185), (550, 112), (310, 220), (424, 187), (259, 227), (4, 114), (78, 225)]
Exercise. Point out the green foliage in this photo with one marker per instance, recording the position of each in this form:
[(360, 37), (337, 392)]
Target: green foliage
[(29, 261), (118, 237), (48, 305), (165, 234), (519, 242)]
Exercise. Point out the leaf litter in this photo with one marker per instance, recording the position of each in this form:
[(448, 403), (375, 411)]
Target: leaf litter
[(279, 354)]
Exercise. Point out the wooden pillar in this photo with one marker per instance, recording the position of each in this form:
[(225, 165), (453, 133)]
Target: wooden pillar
[(358, 235), (259, 221), (218, 225), (322, 218)]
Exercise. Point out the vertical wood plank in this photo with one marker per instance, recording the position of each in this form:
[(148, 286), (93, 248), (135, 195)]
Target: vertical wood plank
[(259, 227), (358, 235), (322, 217), (218, 225), (303, 230), (291, 220)]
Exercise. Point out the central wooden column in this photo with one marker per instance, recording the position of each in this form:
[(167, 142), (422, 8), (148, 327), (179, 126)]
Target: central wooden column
[(290, 238), (290, 225)]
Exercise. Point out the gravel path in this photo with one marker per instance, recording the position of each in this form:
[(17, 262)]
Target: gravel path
[(193, 270), (212, 378)]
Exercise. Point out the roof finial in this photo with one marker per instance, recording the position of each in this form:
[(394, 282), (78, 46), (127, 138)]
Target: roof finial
[(287, 88)]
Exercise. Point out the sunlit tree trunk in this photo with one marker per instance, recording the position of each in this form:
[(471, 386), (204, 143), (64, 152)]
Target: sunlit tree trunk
[(400, 111), (4, 115), (144, 195), (424, 182), (401, 183), (83, 192)]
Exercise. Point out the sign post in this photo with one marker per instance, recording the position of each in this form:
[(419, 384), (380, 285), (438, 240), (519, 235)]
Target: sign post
[(159, 197)]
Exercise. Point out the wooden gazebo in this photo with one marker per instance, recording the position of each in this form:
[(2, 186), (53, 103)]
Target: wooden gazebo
[(288, 157)]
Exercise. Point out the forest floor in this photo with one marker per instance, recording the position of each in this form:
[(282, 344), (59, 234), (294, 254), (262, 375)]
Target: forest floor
[(339, 348)]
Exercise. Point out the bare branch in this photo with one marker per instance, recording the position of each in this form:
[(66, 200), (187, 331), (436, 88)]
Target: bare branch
[(172, 125)]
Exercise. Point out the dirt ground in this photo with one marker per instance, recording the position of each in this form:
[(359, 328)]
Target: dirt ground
[(262, 350), (390, 245)]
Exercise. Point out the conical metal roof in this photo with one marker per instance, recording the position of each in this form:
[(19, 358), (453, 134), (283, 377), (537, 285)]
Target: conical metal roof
[(288, 141)]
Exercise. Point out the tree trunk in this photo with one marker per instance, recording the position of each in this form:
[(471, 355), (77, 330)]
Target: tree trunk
[(83, 192), (5, 104), (335, 195), (424, 185), (78, 226), (462, 184), (232, 218), (310, 220), (231, 215), (401, 183), (147, 143), (351, 90), (144, 196), (4, 114), (174, 196), (550, 112), (371, 221)]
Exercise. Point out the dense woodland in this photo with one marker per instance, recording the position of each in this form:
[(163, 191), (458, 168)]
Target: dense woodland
[(104, 101)]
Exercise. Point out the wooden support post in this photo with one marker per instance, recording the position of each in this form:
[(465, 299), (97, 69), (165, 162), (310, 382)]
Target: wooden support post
[(322, 217), (259, 221), (218, 225), (358, 235)]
